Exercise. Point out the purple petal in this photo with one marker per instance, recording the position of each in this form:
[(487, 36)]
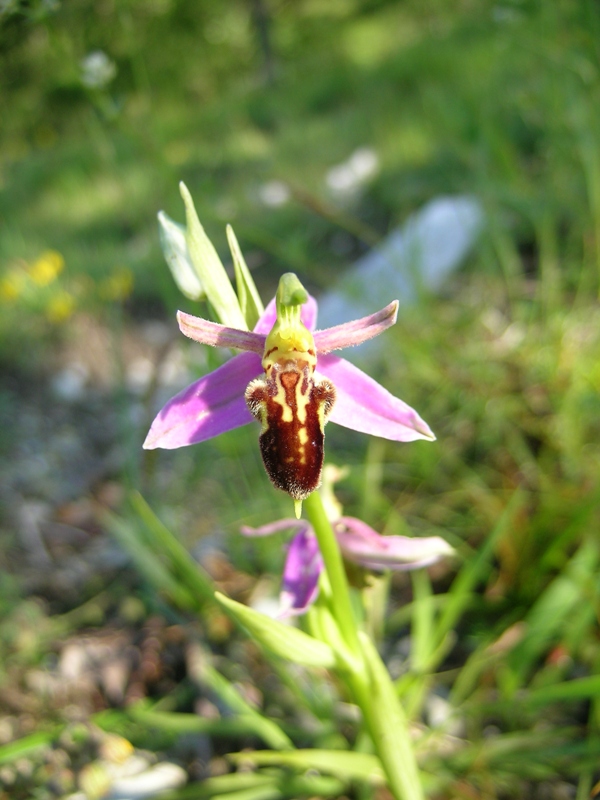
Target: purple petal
[(361, 544), (208, 407), (206, 332), (308, 315), (274, 527), (357, 331), (364, 405), (303, 566)]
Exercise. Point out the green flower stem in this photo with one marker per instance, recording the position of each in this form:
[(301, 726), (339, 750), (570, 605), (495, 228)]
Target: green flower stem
[(334, 566), (386, 721), (367, 679)]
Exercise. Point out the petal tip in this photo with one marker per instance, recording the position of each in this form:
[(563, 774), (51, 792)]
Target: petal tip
[(151, 441), (425, 431)]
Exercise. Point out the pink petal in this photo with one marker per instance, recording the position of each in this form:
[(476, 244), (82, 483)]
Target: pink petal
[(364, 405), (361, 544), (357, 331), (215, 335), (308, 316), (274, 527), (303, 566), (208, 407)]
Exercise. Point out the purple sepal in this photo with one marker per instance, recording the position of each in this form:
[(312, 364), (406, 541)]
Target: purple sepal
[(364, 405), (362, 545), (274, 527), (208, 407), (303, 566)]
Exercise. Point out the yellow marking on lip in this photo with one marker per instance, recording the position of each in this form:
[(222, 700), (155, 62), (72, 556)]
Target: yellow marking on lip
[(281, 398), (303, 436), (302, 400)]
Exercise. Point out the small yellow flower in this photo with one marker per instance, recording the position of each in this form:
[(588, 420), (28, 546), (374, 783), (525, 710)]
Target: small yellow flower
[(117, 286), (12, 285), (115, 749), (94, 780), (47, 267), (60, 307)]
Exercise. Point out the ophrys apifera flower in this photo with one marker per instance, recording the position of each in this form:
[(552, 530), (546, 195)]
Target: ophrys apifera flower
[(290, 382)]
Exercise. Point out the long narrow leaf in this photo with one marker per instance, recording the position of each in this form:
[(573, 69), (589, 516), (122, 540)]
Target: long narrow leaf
[(202, 671), (341, 763), (473, 571), (283, 640), (197, 581), (148, 564)]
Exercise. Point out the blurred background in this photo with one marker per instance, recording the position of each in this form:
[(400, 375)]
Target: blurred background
[(458, 138)]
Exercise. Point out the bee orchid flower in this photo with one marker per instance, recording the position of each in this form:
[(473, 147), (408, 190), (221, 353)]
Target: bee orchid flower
[(358, 543), (288, 379)]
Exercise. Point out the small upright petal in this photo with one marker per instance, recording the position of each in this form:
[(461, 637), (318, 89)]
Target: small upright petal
[(361, 544), (303, 566), (357, 331), (364, 405), (215, 335)]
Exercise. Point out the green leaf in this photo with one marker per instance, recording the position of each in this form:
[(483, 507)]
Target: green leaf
[(183, 567), (283, 640), (150, 565), (200, 670), (460, 594), (22, 748), (207, 264), (177, 256), (388, 726), (560, 608), (180, 723), (344, 764), (250, 302), (577, 689), (263, 785)]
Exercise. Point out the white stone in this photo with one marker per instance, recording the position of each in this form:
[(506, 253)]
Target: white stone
[(160, 778)]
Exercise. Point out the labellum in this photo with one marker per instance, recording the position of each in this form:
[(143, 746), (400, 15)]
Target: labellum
[(289, 402), (292, 408)]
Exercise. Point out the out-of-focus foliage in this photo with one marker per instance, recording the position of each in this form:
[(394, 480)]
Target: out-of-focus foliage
[(111, 103)]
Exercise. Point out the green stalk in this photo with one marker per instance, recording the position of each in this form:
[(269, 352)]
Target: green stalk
[(387, 724), (367, 677), (334, 566)]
